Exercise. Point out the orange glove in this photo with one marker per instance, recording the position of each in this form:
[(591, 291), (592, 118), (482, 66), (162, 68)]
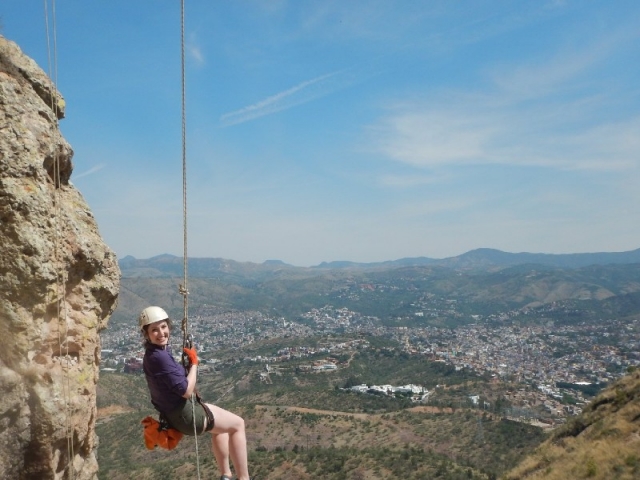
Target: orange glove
[(192, 355)]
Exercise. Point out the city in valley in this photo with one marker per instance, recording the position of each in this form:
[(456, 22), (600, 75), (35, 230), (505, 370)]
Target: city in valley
[(552, 369)]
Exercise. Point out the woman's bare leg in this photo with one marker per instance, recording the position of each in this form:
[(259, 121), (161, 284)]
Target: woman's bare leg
[(220, 447), (233, 425)]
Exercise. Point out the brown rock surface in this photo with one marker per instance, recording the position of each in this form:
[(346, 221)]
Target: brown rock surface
[(58, 285)]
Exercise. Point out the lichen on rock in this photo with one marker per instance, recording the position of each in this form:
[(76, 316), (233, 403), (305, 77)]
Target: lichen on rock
[(59, 286)]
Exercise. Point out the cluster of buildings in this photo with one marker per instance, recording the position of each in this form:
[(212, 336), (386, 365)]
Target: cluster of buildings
[(415, 392), (535, 354), (539, 354)]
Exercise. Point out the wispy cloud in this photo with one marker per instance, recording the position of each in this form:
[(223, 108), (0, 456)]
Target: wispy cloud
[(552, 114), (518, 136), (194, 50), (302, 93), (411, 180), (91, 171), (431, 138)]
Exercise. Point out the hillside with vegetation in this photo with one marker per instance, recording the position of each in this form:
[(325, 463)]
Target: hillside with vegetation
[(305, 425), (603, 443), (359, 438)]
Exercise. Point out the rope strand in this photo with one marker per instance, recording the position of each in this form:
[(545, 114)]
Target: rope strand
[(184, 169), (184, 290), (61, 314)]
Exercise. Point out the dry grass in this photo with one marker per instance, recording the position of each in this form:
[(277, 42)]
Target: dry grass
[(112, 410), (602, 444)]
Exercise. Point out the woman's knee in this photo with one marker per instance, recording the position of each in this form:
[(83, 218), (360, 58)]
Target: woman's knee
[(237, 422), (241, 423), (226, 421)]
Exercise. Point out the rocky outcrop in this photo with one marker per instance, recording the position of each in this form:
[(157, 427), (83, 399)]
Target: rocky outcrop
[(59, 284)]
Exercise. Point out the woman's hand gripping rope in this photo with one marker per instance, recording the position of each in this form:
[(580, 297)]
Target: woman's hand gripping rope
[(191, 355)]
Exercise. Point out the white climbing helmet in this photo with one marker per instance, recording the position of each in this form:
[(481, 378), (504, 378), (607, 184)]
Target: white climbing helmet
[(151, 315)]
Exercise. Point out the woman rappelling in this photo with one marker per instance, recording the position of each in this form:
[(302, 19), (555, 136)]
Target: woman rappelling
[(173, 395)]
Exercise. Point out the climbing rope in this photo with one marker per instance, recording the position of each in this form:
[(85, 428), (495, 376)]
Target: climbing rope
[(184, 291), (60, 272), (184, 287)]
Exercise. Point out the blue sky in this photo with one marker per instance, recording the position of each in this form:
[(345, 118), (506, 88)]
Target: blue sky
[(350, 130)]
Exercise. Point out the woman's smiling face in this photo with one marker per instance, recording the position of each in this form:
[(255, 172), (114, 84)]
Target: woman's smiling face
[(158, 333)]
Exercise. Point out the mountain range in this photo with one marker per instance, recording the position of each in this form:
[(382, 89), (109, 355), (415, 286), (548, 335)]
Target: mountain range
[(482, 259), (483, 280)]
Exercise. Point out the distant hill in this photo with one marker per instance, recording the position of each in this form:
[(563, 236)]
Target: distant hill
[(172, 266), (481, 259), (488, 258), (403, 262), (602, 443), (391, 294)]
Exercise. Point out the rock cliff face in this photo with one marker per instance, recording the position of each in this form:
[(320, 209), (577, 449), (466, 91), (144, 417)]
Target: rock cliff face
[(58, 286)]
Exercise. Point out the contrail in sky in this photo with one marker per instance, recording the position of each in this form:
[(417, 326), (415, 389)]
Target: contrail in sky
[(302, 93), (90, 171)]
